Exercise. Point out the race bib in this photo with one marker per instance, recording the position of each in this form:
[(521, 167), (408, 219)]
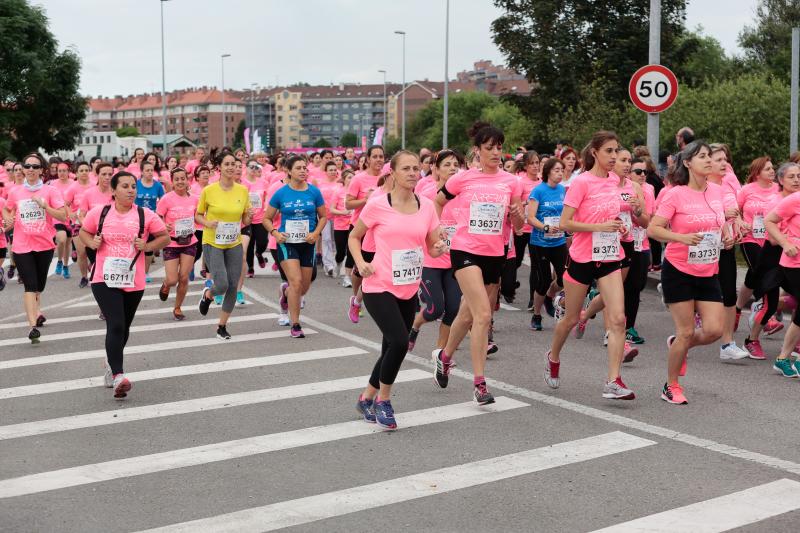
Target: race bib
[(553, 222), (605, 246), (227, 232), (184, 227), (625, 217), (706, 251), (30, 212), (118, 272), (255, 200), (486, 218), (406, 266), (296, 231), (639, 235), (449, 231), (759, 230)]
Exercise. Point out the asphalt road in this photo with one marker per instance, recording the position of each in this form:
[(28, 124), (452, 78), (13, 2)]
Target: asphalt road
[(260, 432)]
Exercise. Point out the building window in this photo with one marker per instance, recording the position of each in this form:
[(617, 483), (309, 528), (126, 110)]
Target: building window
[(292, 108), (346, 116), (280, 108)]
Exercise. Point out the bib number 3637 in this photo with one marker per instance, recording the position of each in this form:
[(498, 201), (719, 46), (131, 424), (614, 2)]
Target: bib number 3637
[(486, 218)]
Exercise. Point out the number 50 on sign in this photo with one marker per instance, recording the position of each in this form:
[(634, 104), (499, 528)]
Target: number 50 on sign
[(653, 88)]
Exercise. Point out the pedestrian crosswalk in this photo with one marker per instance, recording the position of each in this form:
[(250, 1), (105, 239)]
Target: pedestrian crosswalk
[(225, 417)]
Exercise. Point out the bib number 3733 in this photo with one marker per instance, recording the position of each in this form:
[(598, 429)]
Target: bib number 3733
[(706, 251)]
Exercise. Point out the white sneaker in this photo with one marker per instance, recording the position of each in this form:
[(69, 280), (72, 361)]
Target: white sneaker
[(605, 339), (108, 378), (337, 271), (346, 282), (283, 320), (121, 386), (732, 352), (754, 309), (302, 302)]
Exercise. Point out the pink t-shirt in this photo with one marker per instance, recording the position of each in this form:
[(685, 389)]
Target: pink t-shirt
[(3, 241), (341, 222), (272, 244), (360, 185), (625, 192), (63, 188), (75, 193), (94, 197), (448, 222), (690, 211), (119, 232), (368, 242), (401, 240), (191, 165), (526, 186), (596, 200), (641, 242), (483, 200), (33, 225), (423, 182), (329, 190), (257, 191), (134, 169), (789, 210), (179, 212), (755, 202)]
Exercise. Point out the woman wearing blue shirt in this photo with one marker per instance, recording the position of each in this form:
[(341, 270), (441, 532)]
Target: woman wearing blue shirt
[(148, 193), (303, 216), (548, 244)]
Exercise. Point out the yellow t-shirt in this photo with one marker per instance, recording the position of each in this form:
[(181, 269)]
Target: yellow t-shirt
[(227, 207)]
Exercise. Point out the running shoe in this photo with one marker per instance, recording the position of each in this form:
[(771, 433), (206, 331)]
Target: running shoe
[(673, 394), (108, 378), (441, 371), (177, 314), (509, 298), (329, 272), (191, 275), (34, 335), (536, 323), (11, 270), (240, 297), (40, 320), (366, 409), (59, 268), (354, 309), (283, 320), (122, 386), (274, 267), (347, 282), (74, 255), (282, 299), (755, 349), (319, 258), (262, 263), (222, 333), (551, 372), (251, 273), (732, 352), (580, 327), (412, 338), (492, 348), (66, 272), (629, 353), (754, 309), (784, 368), (163, 292), (772, 327), (148, 279), (617, 390), (530, 305), (605, 338), (204, 304), (2, 279), (633, 336), (384, 414), (549, 308), (218, 299), (797, 365), (660, 291), (482, 394), (297, 332), (303, 303), (83, 283), (559, 306)]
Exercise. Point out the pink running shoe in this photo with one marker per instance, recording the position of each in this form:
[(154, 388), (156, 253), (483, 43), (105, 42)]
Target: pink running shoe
[(773, 326), (282, 297), (355, 308), (580, 327), (673, 394), (630, 353), (754, 347)]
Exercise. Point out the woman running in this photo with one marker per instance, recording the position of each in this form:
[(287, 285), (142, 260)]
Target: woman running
[(63, 229), (529, 179), (118, 232), (259, 238), (329, 186), (73, 200), (592, 214), (177, 209), (303, 218), (548, 245), (486, 197), (694, 210), (148, 194), (33, 209), (439, 291), (341, 225), (404, 225), (222, 209)]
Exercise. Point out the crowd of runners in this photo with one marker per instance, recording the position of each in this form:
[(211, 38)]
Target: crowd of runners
[(426, 238)]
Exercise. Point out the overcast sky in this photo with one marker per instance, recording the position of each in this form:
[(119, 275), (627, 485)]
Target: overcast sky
[(284, 41)]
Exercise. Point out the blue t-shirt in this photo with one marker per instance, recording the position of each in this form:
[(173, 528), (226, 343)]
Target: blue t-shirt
[(551, 203), (148, 196), (297, 205)]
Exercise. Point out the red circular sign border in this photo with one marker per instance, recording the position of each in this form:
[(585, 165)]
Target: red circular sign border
[(635, 79)]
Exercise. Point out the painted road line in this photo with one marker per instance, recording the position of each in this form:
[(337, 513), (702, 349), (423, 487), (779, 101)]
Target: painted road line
[(341, 502), (144, 328), (720, 514), (59, 305), (145, 298), (147, 412), (82, 318), (223, 451), (234, 364)]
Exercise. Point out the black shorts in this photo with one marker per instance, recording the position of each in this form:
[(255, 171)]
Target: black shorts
[(679, 287), (368, 257), (3, 252), (585, 273), (628, 248), (247, 230), (63, 227), (491, 266), (304, 252)]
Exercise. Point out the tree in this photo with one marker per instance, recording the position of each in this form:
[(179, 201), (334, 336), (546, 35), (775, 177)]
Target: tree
[(322, 143), (127, 131), (705, 60), (40, 106), (767, 44), (238, 137), (349, 139)]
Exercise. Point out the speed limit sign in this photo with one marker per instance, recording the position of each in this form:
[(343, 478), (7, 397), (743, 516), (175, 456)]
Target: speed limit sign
[(653, 88)]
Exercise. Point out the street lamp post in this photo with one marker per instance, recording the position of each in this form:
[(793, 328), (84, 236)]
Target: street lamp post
[(384, 101), (224, 122), (163, 90), (403, 99), (446, 74), (252, 108)]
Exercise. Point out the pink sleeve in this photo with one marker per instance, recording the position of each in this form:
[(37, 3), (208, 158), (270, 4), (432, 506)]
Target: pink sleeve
[(741, 196), (433, 223), (370, 215), (455, 184), (666, 208), (55, 199), (11, 201), (575, 194), (152, 222), (163, 206), (788, 207), (516, 192), (649, 201), (91, 220), (355, 187)]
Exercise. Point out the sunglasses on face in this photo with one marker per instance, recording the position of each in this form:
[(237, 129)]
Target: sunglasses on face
[(639, 171), (253, 167), (29, 166)]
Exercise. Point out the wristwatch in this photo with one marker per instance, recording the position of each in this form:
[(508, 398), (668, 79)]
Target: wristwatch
[(547, 228)]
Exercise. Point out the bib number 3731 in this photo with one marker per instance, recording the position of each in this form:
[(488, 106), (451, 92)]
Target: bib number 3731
[(605, 246)]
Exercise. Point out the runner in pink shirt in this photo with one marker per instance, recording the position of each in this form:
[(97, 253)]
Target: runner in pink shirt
[(529, 178), (404, 225), (177, 209), (33, 209), (63, 230), (257, 190), (485, 197), (591, 213), (192, 164), (134, 165), (73, 199), (3, 243), (694, 210), (118, 273), (329, 186), (341, 226)]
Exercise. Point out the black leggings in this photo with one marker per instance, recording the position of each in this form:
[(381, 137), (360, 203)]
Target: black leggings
[(349, 262), (258, 243), (769, 279), (118, 308), (340, 239), (394, 318), (727, 276), (751, 252), (33, 268), (655, 251), (440, 293), (634, 284), (791, 284), (542, 257), (199, 252)]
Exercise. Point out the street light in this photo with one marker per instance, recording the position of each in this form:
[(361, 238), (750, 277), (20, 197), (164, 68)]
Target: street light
[(163, 90), (384, 101), (446, 74), (252, 107), (224, 123), (403, 99)]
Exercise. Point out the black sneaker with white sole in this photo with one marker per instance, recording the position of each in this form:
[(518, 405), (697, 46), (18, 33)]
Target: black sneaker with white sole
[(222, 333)]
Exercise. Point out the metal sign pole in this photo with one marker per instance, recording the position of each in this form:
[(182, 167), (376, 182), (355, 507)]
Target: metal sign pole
[(655, 59)]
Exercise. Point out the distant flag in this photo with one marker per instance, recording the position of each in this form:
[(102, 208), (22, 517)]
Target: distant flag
[(378, 136)]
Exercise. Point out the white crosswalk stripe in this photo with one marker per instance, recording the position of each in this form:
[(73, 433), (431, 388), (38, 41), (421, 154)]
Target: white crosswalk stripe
[(83, 318)]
